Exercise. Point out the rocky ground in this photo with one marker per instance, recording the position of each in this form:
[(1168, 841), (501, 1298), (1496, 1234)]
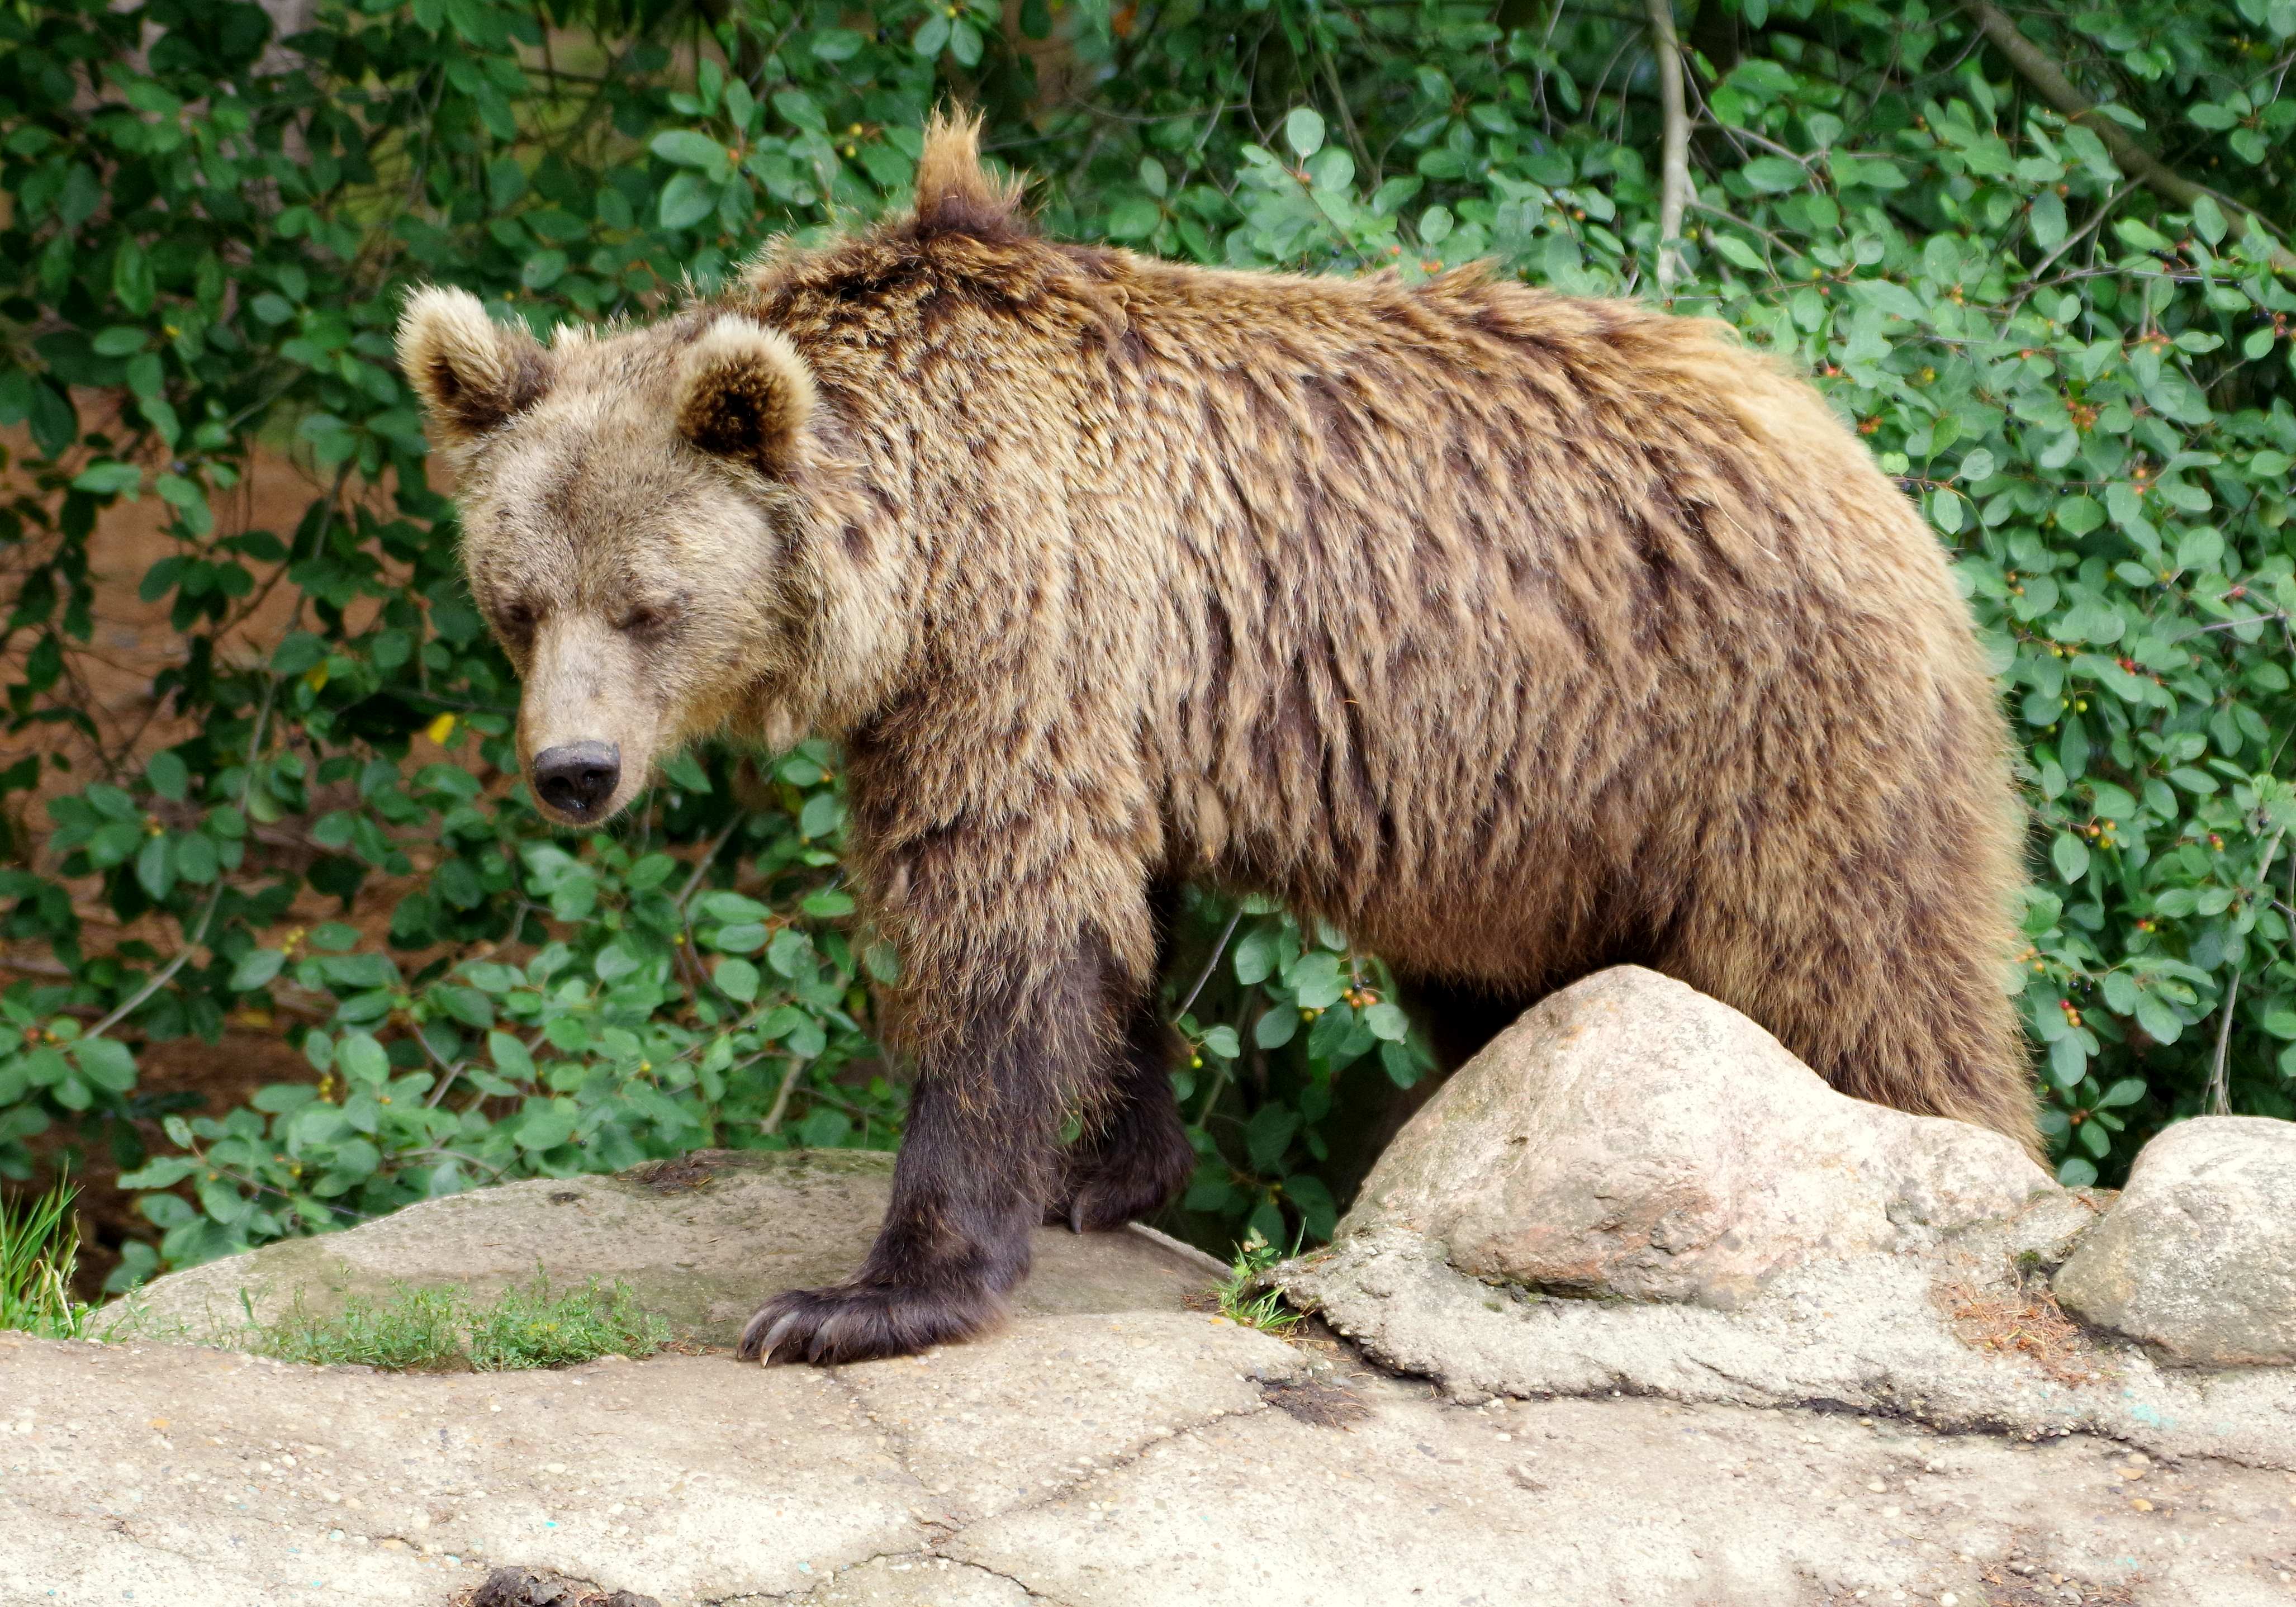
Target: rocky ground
[(1761, 1423)]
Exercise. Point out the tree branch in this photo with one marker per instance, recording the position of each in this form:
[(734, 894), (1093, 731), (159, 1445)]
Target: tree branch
[(1674, 161), (2036, 67)]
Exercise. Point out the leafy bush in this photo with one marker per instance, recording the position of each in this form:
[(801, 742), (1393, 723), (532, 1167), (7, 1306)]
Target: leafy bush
[(2078, 359)]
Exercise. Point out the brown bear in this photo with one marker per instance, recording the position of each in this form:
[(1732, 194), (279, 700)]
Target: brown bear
[(1515, 634)]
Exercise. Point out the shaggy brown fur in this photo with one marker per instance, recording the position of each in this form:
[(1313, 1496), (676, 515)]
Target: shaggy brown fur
[(1517, 635)]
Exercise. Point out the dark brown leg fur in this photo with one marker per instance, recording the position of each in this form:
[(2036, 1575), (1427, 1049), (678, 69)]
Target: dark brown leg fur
[(1140, 1156), (1137, 1156), (978, 1162)]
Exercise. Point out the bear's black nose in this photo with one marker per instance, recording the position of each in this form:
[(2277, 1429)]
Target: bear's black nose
[(575, 778)]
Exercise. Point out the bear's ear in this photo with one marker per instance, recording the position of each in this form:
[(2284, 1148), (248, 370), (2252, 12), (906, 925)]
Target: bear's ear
[(472, 373), (744, 394)]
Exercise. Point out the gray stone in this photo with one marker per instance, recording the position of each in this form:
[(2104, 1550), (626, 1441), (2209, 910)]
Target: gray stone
[(1875, 1333), (701, 1241), (1056, 1462), (1132, 1454), (1722, 1227), (2198, 1256), (1631, 1138)]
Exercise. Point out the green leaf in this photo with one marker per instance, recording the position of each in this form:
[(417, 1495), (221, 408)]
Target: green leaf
[(510, 1056), (822, 814), (1269, 1133), (737, 979), (1317, 981), (1134, 218), (687, 200), (740, 938), (2068, 1061), (544, 1126), (801, 111), (109, 479), (2070, 854), (164, 1171), (2079, 515), (106, 1062), (688, 148), (360, 1059), (2163, 1023), (789, 954), (155, 867), (1775, 175), (132, 278), (2049, 219), (686, 771), (256, 969), (1275, 1027), (1303, 131)]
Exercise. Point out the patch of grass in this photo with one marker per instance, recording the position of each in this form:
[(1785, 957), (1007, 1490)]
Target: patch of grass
[(1242, 1303), (533, 1329), (436, 1328), (411, 1330), (39, 1247)]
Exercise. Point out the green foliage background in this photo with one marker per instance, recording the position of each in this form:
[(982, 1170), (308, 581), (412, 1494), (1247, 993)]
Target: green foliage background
[(2085, 380)]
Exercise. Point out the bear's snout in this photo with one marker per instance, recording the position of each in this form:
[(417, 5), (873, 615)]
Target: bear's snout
[(575, 779)]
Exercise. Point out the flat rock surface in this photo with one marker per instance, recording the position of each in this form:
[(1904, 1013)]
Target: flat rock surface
[(701, 1241), (2198, 1256), (1114, 1443), (1075, 1460)]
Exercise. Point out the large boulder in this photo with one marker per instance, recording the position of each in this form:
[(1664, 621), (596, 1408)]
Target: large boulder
[(701, 1241), (1631, 1138), (2198, 1256), (1636, 1189)]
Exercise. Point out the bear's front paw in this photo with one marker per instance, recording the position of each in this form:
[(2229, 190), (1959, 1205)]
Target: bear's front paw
[(859, 1322)]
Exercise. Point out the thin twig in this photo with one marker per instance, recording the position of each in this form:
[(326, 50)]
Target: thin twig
[(2219, 1094), (1674, 162), (2221, 1067), (772, 1121), (192, 940), (2033, 280), (1205, 975), (701, 866)]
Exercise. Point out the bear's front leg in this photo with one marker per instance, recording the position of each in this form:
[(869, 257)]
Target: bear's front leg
[(978, 1163)]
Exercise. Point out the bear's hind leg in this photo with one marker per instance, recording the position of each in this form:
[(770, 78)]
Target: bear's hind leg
[(1138, 1155)]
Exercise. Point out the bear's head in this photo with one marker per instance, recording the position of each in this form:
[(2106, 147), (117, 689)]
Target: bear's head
[(632, 505)]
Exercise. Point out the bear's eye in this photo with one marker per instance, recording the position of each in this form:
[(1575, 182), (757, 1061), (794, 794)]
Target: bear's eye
[(651, 618), (515, 621)]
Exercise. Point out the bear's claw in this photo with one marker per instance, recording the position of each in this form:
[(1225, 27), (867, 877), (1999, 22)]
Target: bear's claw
[(861, 1321)]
